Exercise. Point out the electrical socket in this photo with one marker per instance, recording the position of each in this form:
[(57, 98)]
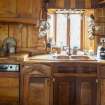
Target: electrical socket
[(102, 39)]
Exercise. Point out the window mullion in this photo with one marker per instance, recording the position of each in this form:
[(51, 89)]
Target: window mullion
[(68, 30), (55, 24)]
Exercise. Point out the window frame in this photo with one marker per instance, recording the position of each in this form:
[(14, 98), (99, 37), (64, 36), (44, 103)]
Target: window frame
[(68, 28)]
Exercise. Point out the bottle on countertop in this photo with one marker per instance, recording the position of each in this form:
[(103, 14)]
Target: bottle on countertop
[(101, 51), (48, 45)]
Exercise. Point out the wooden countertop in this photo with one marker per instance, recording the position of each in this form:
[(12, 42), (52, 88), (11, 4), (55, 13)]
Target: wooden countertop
[(23, 58), (50, 59), (18, 57)]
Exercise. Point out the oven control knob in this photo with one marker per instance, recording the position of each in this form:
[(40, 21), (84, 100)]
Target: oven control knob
[(10, 67)]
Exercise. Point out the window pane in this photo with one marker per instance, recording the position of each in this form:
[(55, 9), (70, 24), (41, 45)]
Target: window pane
[(75, 28), (61, 30)]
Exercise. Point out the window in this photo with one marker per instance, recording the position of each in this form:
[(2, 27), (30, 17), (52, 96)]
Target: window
[(65, 28), (75, 30)]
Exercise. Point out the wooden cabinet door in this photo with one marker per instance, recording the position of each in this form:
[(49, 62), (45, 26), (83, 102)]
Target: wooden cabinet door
[(24, 8), (101, 92), (29, 9), (9, 89), (86, 91), (7, 8), (36, 91), (64, 91)]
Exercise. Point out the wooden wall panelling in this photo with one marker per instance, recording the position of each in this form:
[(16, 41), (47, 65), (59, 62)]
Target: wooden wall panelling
[(72, 3), (32, 37), (7, 8), (3, 32), (14, 31), (18, 35), (10, 29), (24, 36)]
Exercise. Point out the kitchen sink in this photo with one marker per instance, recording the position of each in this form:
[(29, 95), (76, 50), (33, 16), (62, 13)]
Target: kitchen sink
[(75, 57), (81, 57), (62, 57)]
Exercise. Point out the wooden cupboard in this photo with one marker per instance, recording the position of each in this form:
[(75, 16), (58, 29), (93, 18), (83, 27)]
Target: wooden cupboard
[(101, 84), (8, 8), (36, 85), (64, 91), (101, 91), (76, 4), (86, 89), (75, 91), (9, 88), (21, 11), (75, 85), (63, 84)]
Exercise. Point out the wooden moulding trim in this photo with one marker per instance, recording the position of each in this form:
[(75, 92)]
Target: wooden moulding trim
[(75, 75), (9, 74), (18, 20)]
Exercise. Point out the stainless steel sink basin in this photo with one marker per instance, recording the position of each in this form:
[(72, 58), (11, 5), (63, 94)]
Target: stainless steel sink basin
[(81, 57), (61, 57)]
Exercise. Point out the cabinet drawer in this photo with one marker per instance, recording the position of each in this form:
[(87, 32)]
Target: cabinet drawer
[(75, 68), (37, 70), (101, 71)]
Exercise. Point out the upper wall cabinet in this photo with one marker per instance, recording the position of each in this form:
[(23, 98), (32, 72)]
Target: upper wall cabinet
[(7, 8), (24, 11), (75, 4), (100, 3), (29, 10)]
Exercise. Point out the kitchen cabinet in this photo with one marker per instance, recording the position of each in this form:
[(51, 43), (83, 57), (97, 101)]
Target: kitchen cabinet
[(9, 88), (101, 84), (64, 91), (100, 3), (73, 85), (21, 11), (101, 91), (29, 9), (75, 91), (99, 14), (8, 8), (36, 85), (60, 84), (86, 91), (76, 4)]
